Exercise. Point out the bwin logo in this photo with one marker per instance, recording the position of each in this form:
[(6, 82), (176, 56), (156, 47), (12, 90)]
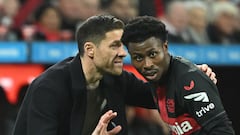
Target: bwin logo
[(181, 128), (201, 96)]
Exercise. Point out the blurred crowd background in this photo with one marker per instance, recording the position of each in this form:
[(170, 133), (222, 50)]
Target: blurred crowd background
[(195, 22)]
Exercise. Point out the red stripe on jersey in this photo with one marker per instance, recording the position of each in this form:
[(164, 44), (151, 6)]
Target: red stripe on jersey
[(161, 95), (183, 124)]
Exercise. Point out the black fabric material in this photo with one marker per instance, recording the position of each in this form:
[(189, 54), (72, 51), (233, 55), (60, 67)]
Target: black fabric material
[(55, 103)]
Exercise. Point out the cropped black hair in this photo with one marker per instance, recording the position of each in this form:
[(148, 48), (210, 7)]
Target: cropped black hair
[(141, 28), (94, 29)]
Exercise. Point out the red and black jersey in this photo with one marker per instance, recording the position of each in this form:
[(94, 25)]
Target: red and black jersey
[(190, 102)]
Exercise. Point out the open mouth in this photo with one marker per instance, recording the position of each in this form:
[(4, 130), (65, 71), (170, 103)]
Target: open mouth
[(150, 75)]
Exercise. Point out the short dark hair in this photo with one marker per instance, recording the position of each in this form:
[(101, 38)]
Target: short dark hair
[(94, 29), (141, 28)]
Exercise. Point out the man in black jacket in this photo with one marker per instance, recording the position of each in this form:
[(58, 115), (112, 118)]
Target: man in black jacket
[(69, 97), (188, 100)]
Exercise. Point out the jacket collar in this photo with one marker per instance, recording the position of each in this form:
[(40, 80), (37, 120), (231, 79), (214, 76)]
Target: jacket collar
[(77, 76)]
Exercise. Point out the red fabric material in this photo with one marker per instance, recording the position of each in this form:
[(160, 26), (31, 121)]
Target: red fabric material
[(26, 9), (159, 8)]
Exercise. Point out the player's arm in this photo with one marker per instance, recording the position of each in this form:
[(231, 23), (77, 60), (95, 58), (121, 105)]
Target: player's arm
[(202, 101), (137, 92)]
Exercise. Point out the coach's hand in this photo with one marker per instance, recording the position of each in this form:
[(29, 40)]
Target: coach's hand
[(101, 128), (208, 71)]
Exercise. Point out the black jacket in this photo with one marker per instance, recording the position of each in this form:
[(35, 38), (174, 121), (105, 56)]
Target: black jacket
[(55, 103)]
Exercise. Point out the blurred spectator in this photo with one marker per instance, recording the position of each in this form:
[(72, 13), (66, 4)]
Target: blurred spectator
[(7, 34), (88, 8), (26, 32), (75, 11), (25, 12), (176, 20), (237, 32), (197, 23), (123, 9), (222, 27), (8, 10), (48, 25)]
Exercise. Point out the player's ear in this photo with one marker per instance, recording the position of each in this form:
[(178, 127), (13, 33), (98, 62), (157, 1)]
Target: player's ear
[(165, 46), (89, 49)]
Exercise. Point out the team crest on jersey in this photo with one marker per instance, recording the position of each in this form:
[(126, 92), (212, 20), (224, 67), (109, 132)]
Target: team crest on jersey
[(171, 105)]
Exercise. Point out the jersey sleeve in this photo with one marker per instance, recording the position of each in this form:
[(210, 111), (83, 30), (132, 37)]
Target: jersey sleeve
[(201, 99), (138, 92)]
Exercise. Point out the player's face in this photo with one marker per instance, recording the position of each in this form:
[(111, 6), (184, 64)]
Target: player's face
[(150, 58), (110, 53)]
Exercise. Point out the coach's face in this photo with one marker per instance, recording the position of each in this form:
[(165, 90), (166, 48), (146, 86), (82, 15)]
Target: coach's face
[(150, 58), (110, 53)]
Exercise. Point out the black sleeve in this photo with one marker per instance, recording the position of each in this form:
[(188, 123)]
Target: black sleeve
[(138, 92), (202, 101), (39, 112), (222, 126)]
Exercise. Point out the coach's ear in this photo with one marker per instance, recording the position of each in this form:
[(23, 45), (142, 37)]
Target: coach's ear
[(89, 49)]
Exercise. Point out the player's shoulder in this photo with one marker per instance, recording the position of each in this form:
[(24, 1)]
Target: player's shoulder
[(182, 66)]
